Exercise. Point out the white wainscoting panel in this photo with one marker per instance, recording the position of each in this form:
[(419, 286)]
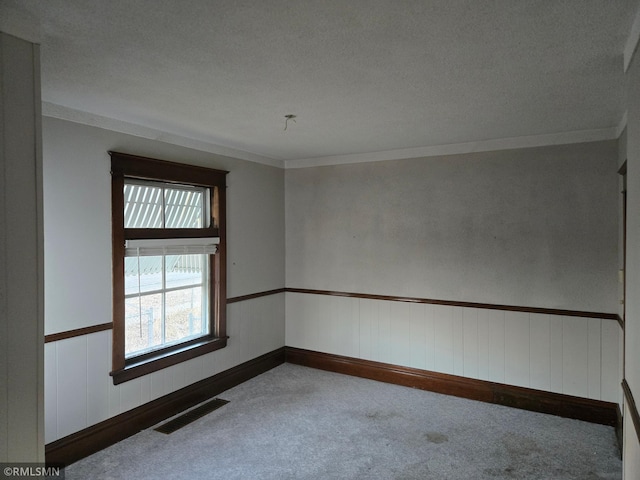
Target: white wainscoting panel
[(496, 322), (50, 392), (98, 362), (563, 354), (79, 391), (540, 352), (612, 361), (71, 362)]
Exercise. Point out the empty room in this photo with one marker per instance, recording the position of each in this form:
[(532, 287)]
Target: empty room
[(320, 239)]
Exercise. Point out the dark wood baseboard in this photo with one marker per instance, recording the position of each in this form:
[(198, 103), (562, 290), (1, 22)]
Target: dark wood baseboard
[(619, 430), (594, 411), (92, 439)]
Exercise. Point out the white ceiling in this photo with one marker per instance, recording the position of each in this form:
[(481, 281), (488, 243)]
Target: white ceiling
[(361, 75)]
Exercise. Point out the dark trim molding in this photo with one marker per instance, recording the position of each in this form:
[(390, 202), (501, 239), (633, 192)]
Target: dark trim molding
[(54, 337), (164, 359), (619, 430), (569, 313), (251, 296), (631, 405), (92, 439), (510, 308), (623, 169), (594, 411)]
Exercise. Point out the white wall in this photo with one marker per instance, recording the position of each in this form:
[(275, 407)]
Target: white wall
[(532, 227), (632, 325), (21, 269), (77, 229)]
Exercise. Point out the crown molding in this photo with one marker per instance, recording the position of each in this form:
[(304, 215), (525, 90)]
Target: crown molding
[(77, 116), (632, 41), (462, 148)]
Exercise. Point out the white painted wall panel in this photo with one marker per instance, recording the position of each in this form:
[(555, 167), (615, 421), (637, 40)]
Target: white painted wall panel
[(458, 341), (98, 362), (340, 322), (179, 375), (496, 346), (160, 383), (575, 349), (80, 392), (594, 357), (384, 332), (430, 338), (540, 351), (611, 362), (546, 352), (71, 365), (631, 449), (483, 344), (400, 333), (368, 321), (145, 389), (517, 349), (50, 392), (443, 333), (418, 335), (130, 394), (114, 401), (556, 355), (294, 332), (470, 338)]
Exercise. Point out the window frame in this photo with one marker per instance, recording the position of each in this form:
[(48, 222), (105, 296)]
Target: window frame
[(143, 168)]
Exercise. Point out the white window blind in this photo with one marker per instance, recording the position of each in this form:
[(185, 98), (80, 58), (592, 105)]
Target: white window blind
[(171, 246)]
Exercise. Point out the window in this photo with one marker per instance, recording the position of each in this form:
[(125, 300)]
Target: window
[(169, 249)]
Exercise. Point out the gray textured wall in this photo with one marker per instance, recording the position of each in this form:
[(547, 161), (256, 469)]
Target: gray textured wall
[(77, 223), (531, 227)]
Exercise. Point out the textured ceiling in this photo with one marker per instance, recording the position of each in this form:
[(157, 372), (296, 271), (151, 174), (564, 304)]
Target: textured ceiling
[(361, 75)]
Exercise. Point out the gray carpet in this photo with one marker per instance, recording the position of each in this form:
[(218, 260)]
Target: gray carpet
[(299, 423)]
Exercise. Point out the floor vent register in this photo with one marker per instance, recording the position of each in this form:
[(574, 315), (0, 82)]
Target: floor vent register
[(191, 416)]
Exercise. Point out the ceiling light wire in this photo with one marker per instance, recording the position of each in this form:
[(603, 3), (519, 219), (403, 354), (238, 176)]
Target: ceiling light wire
[(287, 118)]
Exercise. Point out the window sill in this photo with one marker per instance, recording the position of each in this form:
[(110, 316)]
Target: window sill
[(166, 359)]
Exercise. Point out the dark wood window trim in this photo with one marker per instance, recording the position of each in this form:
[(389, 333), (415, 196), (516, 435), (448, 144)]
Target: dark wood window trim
[(132, 166)]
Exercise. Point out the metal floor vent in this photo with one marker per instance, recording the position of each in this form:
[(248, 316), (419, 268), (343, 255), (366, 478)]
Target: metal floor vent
[(191, 416)]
